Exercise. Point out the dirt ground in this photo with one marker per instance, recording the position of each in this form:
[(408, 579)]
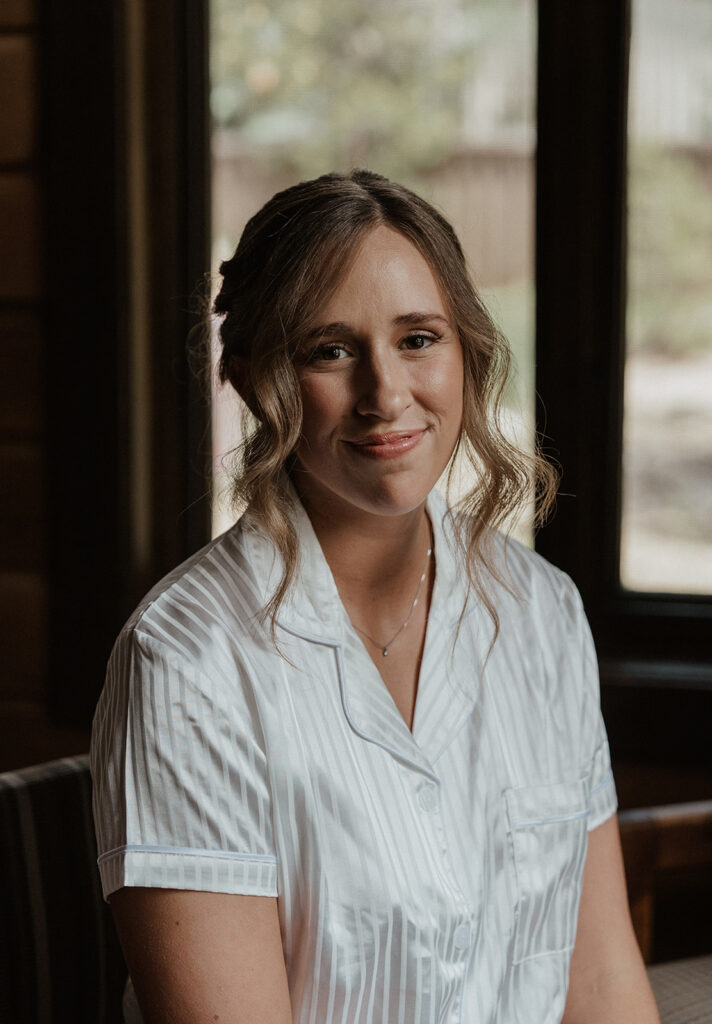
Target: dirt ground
[(667, 494)]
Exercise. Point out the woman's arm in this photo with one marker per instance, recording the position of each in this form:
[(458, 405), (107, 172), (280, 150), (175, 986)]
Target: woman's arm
[(203, 957), (608, 983)]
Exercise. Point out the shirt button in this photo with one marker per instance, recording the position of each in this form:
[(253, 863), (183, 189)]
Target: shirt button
[(461, 938), (428, 798)]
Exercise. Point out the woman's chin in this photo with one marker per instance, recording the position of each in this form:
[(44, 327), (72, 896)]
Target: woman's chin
[(392, 497)]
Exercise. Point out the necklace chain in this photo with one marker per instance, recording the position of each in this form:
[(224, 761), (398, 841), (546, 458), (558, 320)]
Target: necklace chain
[(384, 649)]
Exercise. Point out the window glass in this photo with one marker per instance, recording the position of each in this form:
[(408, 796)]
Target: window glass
[(438, 94), (666, 528)]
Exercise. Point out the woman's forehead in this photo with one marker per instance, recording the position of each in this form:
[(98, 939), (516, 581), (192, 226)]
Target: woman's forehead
[(386, 272)]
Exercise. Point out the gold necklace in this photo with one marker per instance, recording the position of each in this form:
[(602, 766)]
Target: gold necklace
[(377, 643)]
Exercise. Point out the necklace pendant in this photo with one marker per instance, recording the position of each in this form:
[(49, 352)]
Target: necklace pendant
[(385, 652)]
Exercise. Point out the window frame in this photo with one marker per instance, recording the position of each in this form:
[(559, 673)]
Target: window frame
[(96, 574), (649, 644)]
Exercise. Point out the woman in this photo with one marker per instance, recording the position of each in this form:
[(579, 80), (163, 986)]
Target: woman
[(349, 760)]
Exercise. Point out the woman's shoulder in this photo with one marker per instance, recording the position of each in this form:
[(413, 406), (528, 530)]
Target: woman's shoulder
[(514, 567), (214, 593), (538, 600), (530, 574)]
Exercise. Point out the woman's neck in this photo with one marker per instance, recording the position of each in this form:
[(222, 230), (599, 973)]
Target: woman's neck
[(370, 553), (384, 571)]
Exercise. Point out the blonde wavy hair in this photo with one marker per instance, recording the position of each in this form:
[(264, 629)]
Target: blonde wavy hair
[(290, 259)]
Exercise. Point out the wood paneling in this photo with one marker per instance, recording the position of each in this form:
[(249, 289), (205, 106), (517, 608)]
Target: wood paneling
[(27, 736), (19, 238), (17, 13), (23, 635), (662, 843), (642, 784), (103, 216), (68, 79), (18, 98), (24, 519), (20, 375), (23, 583)]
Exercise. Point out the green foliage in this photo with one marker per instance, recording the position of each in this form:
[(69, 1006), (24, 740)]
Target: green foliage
[(317, 84), (669, 253), (512, 306)]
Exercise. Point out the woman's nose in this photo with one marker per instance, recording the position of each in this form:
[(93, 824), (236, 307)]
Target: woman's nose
[(382, 387)]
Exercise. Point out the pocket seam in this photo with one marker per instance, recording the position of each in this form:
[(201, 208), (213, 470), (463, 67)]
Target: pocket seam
[(574, 815)]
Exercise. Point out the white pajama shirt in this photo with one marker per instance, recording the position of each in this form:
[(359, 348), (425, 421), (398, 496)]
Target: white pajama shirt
[(424, 876)]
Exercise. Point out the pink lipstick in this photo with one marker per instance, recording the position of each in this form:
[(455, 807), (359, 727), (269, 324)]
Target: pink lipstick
[(387, 446)]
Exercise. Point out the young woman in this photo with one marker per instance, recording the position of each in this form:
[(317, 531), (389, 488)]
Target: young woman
[(349, 761)]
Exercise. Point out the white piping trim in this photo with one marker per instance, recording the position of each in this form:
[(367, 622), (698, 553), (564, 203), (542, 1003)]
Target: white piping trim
[(187, 851), (601, 785), (550, 821), (393, 751)]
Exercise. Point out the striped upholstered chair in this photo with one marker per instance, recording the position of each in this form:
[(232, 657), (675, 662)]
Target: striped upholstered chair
[(59, 957), (683, 990), (659, 843), (60, 961)]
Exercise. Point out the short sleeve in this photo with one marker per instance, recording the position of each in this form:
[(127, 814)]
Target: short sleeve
[(181, 791), (597, 759), (603, 801)]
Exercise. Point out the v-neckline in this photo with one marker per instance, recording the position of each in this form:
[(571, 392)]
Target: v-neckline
[(314, 611)]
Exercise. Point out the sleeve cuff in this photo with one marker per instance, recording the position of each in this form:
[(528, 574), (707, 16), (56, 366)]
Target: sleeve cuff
[(603, 801), (164, 867)]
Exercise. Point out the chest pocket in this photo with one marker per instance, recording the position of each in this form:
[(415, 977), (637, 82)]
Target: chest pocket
[(548, 835)]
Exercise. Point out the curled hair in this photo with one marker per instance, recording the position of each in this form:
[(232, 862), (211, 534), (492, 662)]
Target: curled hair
[(289, 261)]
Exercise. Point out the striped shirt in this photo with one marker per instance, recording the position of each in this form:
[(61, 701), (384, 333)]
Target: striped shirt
[(430, 875)]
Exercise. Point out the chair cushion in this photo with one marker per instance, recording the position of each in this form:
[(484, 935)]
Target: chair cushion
[(59, 956), (683, 989)]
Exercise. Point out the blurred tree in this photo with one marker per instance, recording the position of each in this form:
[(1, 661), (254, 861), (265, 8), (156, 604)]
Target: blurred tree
[(669, 252), (343, 83)]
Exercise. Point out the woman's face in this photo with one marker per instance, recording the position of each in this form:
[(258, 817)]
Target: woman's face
[(381, 382)]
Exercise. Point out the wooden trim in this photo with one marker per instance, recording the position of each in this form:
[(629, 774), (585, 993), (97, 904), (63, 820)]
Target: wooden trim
[(18, 15), (28, 737), (655, 841), (83, 346), (98, 570), (582, 75), (580, 280), (179, 258)]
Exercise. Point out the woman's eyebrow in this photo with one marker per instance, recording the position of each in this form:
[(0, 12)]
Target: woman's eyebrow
[(404, 319), (337, 327), (411, 319)]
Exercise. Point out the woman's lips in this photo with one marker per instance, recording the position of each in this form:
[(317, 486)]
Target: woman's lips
[(387, 446)]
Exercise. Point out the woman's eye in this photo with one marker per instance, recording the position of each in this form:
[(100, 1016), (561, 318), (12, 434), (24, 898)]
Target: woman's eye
[(415, 342), (329, 353)]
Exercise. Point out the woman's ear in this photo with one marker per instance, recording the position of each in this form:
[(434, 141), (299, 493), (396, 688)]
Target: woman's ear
[(239, 376)]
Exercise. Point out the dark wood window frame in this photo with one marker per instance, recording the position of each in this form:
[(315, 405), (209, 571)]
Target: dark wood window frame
[(95, 574), (655, 650)]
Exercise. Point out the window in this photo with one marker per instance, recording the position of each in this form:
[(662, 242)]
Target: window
[(666, 526), (653, 641), (654, 647), (441, 99)]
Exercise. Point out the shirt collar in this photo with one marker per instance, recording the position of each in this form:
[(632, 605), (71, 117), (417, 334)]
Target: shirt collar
[(312, 606), (313, 611)]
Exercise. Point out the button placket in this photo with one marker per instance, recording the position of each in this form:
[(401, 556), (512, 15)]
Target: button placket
[(428, 798), (427, 795), (462, 936)]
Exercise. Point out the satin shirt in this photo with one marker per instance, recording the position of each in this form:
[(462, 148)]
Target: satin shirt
[(424, 876)]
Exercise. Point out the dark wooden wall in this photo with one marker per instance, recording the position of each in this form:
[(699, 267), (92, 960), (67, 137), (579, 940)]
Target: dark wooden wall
[(25, 732), (103, 166)]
